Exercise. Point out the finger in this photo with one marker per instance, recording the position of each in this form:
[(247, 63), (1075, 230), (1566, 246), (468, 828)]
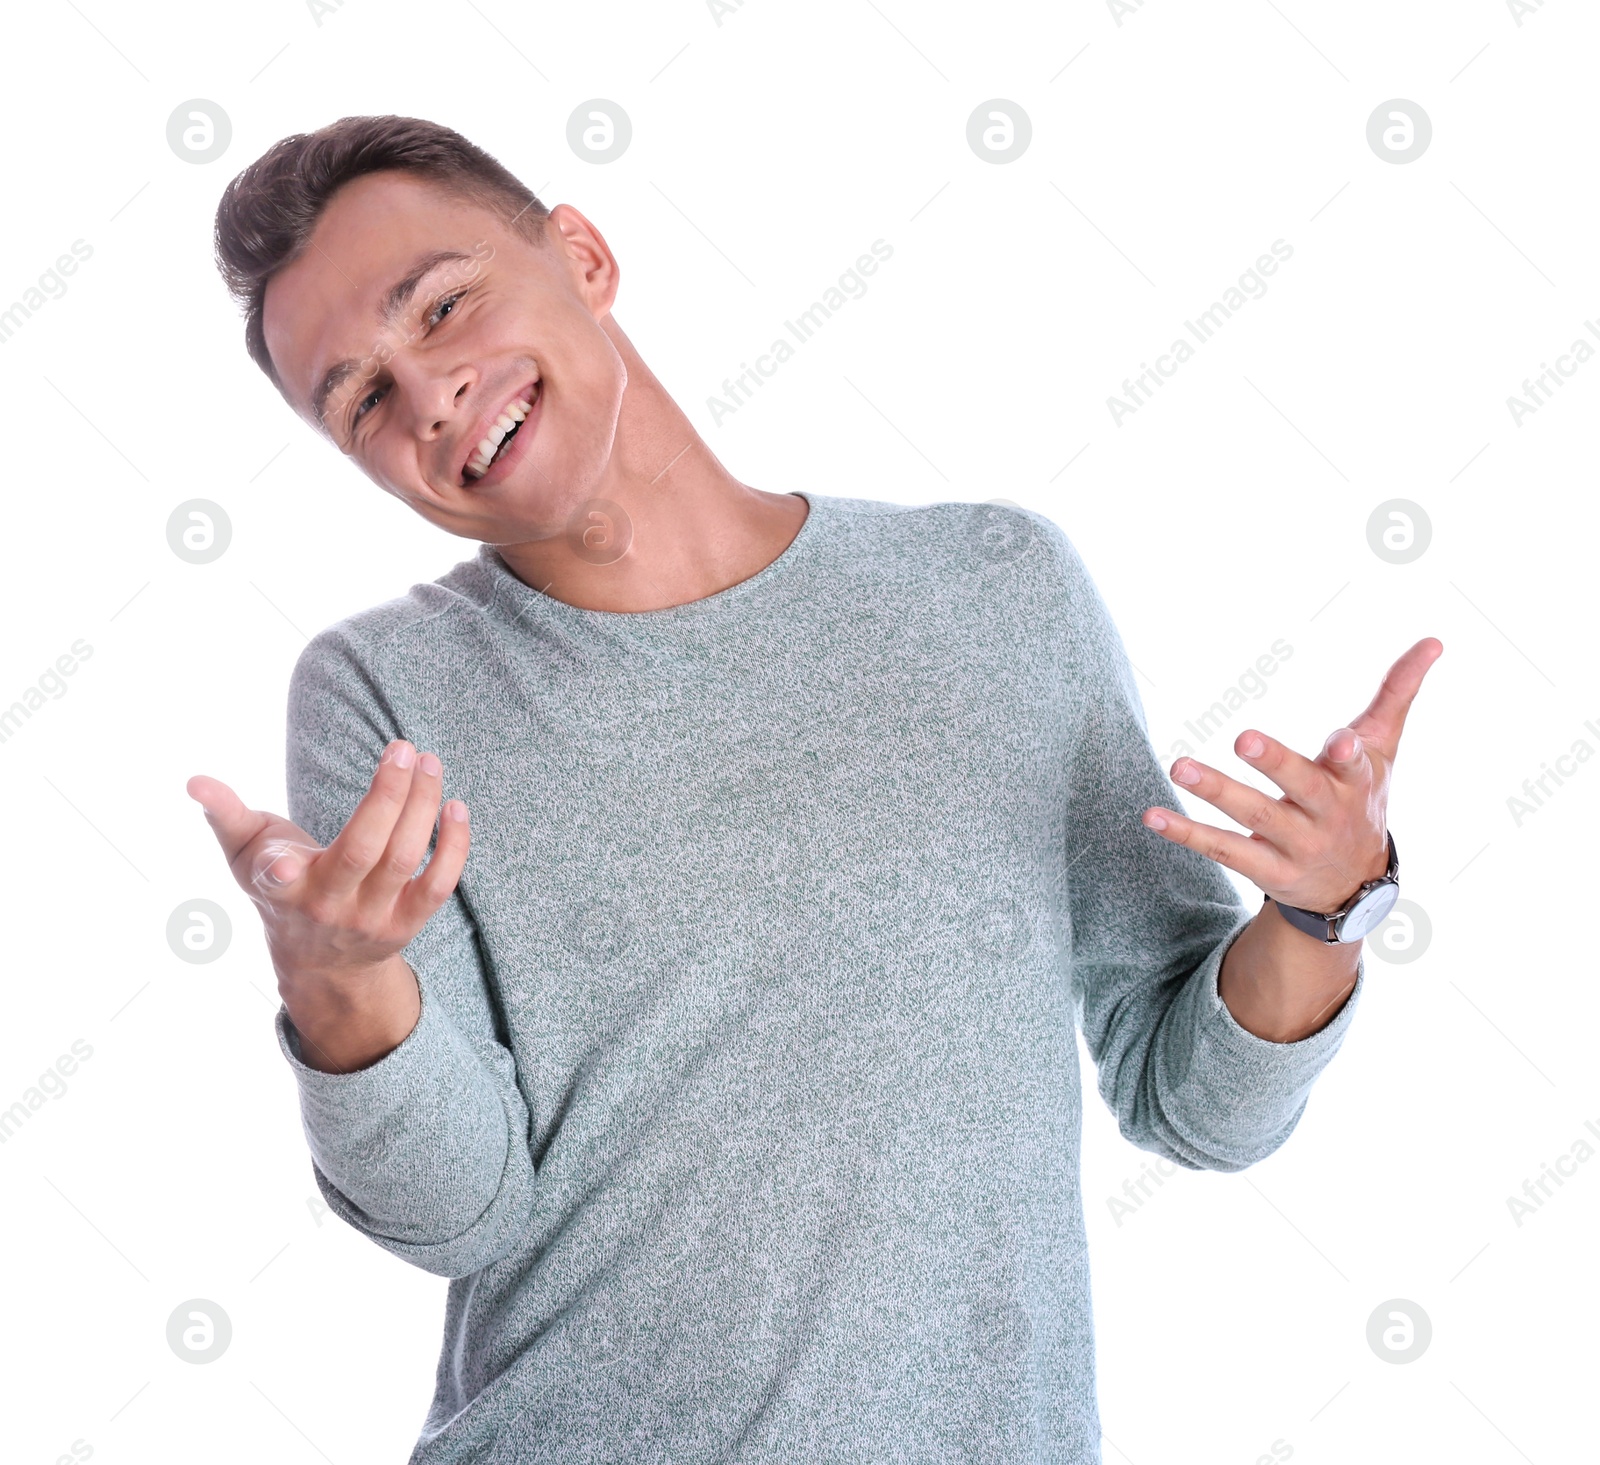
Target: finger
[(1295, 774), (1347, 758), (425, 893), (1385, 716), (359, 846), (409, 841), (1255, 859), (275, 864), (1275, 821)]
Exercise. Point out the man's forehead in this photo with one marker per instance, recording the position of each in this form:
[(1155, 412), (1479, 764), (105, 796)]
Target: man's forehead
[(327, 313)]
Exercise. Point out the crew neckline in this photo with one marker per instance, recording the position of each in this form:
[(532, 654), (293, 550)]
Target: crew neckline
[(510, 584)]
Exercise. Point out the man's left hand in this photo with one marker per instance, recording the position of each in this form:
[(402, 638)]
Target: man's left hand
[(1328, 835)]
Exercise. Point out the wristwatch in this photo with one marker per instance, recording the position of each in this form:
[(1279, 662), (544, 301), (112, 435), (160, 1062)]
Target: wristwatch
[(1359, 916)]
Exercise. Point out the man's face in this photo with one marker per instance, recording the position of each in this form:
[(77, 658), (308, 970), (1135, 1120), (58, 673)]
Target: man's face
[(419, 388)]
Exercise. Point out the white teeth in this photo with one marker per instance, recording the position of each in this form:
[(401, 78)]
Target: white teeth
[(516, 412)]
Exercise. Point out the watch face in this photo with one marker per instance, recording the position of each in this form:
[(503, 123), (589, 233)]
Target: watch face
[(1368, 913)]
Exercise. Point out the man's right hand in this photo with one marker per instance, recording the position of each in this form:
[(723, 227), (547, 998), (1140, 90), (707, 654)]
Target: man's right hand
[(337, 919)]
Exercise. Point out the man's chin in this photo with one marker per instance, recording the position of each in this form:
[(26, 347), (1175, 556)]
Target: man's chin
[(523, 515), (535, 502)]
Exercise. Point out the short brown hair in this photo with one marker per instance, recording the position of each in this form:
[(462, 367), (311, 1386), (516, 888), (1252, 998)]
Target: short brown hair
[(268, 212)]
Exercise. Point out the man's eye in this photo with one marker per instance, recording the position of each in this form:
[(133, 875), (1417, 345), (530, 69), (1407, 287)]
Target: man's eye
[(437, 313), (438, 310)]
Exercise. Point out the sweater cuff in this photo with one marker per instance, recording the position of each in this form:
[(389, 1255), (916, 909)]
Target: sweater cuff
[(1232, 1098), (422, 1093)]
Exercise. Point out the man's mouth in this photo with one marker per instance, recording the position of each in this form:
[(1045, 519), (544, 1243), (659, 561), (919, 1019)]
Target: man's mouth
[(496, 443)]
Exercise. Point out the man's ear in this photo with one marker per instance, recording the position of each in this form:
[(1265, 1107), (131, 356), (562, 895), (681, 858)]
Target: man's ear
[(591, 265)]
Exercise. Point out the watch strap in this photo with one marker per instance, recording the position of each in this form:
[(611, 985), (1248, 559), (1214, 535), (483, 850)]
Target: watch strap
[(1308, 921), (1323, 925)]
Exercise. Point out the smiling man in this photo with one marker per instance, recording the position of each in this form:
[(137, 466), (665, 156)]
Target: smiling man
[(733, 1082)]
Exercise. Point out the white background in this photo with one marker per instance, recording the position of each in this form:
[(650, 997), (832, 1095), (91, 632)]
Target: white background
[(769, 151)]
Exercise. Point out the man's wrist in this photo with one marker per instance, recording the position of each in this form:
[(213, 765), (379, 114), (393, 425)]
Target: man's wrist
[(349, 1019), (1281, 986)]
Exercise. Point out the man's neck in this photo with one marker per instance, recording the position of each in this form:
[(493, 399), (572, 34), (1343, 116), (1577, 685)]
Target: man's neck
[(686, 527)]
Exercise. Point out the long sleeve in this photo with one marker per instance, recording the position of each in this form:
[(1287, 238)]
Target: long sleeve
[(426, 1150), (1151, 923)]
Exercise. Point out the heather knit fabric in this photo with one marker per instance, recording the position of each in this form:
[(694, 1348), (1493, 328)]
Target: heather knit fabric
[(743, 1109)]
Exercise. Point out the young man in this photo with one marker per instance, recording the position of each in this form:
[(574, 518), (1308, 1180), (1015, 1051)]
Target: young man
[(734, 1083)]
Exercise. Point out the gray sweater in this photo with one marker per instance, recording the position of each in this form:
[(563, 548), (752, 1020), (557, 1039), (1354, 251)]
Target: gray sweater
[(743, 1109)]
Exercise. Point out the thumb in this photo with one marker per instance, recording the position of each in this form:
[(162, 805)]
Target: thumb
[(232, 823)]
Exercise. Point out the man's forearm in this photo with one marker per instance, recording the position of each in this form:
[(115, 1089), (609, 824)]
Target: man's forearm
[(351, 1022), (1281, 984)]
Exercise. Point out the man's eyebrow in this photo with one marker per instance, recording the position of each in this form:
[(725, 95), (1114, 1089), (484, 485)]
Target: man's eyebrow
[(395, 301)]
